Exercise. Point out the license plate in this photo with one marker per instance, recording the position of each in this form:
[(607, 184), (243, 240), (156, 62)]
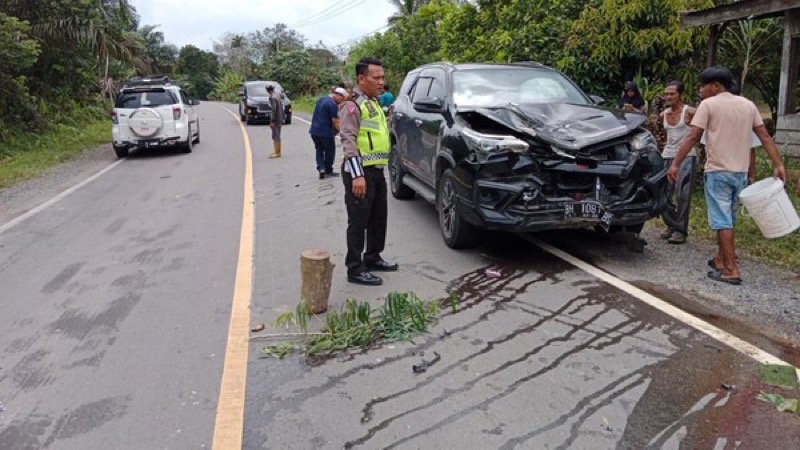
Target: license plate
[(589, 210)]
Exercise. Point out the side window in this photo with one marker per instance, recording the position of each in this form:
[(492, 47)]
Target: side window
[(184, 98), (421, 89), (408, 84), (438, 88)]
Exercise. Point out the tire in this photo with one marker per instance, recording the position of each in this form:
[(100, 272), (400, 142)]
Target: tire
[(121, 151), (189, 145), (288, 120), (248, 121), (396, 173), (197, 138), (457, 232)]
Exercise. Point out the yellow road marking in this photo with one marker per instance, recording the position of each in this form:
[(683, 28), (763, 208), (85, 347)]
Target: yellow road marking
[(229, 423)]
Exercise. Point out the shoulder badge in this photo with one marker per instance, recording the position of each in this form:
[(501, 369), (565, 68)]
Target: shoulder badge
[(351, 108)]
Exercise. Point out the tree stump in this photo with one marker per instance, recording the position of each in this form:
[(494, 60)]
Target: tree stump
[(317, 275)]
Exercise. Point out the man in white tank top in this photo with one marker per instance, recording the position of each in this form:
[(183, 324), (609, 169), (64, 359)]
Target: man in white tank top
[(676, 119)]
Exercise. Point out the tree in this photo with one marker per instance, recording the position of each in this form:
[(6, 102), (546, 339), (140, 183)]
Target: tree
[(234, 53), (405, 9), (159, 57), (198, 69), (18, 52), (273, 40), (752, 48), (614, 41)]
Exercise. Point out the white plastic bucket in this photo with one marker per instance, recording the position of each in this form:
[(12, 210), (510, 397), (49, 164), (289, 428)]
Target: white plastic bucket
[(769, 206)]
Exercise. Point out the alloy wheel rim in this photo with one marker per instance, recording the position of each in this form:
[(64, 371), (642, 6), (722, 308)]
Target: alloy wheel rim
[(448, 210)]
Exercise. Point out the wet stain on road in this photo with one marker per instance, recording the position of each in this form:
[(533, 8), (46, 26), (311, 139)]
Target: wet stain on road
[(78, 325), (63, 278), (538, 355)]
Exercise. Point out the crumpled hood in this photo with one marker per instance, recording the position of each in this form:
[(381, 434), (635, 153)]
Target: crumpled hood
[(565, 125)]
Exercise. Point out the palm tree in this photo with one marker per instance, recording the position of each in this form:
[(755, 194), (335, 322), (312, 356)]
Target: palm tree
[(405, 8), (106, 26)]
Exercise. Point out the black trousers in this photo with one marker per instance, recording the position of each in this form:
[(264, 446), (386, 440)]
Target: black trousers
[(679, 196), (366, 220), (326, 151)]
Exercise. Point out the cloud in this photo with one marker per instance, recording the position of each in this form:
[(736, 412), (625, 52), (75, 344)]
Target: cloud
[(201, 22)]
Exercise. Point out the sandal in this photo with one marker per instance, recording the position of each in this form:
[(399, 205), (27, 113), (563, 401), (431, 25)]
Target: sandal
[(716, 276), (666, 234), (713, 265)]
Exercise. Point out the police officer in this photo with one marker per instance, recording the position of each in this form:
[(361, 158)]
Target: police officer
[(365, 142), (276, 120)]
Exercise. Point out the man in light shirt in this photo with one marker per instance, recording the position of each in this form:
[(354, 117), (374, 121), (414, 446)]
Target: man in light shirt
[(727, 121)]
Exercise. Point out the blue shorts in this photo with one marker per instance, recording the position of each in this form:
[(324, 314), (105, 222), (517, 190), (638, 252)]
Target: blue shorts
[(722, 194)]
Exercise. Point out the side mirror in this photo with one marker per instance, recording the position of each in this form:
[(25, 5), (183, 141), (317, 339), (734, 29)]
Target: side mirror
[(430, 105), (194, 102), (597, 100), (287, 93)]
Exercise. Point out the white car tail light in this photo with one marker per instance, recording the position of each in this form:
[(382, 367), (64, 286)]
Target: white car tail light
[(176, 112), (114, 118)]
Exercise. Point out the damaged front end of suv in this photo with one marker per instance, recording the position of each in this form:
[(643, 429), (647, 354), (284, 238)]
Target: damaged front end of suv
[(531, 167)]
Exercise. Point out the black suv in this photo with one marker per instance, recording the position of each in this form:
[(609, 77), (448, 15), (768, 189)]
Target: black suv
[(519, 147), (254, 102)]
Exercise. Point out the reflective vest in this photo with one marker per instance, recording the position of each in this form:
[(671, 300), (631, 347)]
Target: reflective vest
[(373, 136)]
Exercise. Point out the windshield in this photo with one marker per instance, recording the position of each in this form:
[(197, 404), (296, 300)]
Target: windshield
[(498, 87), (260, 90)]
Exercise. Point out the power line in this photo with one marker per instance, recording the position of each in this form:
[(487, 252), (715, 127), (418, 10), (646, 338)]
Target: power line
[(317, 14), (332, 14)]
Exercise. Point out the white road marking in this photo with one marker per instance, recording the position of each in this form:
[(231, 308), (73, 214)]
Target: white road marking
[(10, 224), (726, 338), (302, 120)]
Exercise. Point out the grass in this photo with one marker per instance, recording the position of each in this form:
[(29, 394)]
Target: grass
[(305, 104), (26, 155), (783, 252), (402, 317)]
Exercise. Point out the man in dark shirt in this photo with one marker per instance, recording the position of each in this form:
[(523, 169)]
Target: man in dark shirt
[(324, 126)]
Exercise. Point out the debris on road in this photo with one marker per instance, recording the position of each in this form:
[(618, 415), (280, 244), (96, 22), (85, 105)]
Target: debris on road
[(781, 403), (257, 328), (423, 366), (779, 376), (729, 387), (492, 273)]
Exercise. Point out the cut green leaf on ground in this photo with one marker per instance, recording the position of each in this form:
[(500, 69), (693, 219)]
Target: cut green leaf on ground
[(779, 376)]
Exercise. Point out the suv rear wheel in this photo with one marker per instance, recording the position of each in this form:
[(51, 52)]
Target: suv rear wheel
[(120, 150), (457, 232), (189, 144), (396, 173)]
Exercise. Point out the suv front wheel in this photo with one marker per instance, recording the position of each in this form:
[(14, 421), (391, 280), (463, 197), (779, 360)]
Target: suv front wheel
[(457, 232)]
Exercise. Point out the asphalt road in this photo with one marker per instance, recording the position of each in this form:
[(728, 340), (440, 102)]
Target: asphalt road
[(115, 304)]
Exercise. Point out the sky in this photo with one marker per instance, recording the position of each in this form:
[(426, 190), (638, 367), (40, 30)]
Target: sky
[(201, 22)]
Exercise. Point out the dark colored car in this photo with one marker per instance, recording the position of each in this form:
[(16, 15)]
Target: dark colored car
[(519, 147), (254, 102)]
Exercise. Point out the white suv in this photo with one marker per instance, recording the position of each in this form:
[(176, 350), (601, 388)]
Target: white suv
[(153, 112)]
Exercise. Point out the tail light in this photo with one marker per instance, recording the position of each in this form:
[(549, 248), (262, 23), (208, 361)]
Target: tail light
[(176, 112), (114, 118)]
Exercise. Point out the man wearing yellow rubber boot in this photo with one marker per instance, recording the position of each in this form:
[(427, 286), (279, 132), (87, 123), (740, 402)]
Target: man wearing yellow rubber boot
[(276, 120)]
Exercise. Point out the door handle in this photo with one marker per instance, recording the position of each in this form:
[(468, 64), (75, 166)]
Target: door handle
[(418, 122), (399, 115)]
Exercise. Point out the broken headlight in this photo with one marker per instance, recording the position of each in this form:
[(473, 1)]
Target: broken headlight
[(645, 144), (493, 143), (644, 141)]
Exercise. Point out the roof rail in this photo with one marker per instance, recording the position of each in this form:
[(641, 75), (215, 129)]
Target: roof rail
[(148, 80)]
